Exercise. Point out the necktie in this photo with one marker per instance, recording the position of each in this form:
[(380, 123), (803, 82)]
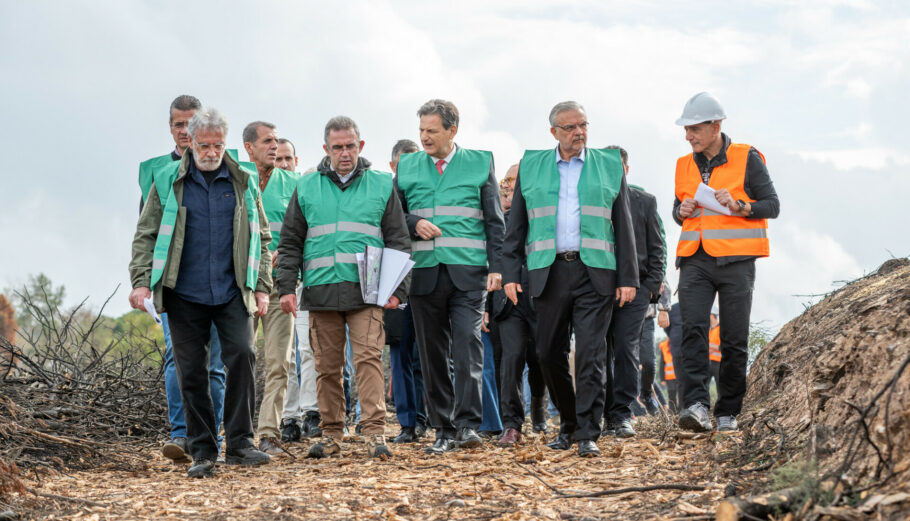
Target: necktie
[(439, 165)]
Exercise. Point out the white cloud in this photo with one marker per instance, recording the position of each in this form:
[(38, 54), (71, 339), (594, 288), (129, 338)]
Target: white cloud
[(873, 158)]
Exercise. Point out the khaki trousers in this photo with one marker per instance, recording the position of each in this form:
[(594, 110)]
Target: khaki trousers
[(278, 330), (327, 337)]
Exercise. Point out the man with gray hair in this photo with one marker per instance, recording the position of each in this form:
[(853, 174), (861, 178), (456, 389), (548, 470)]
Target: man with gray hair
[(201, 244), (454, 216), (334, 214), (570, 221)]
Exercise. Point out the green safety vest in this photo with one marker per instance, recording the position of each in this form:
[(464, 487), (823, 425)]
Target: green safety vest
[(275, 199), (148, 168), (598, 186), (164, 184), (450, 201), (341, 223)]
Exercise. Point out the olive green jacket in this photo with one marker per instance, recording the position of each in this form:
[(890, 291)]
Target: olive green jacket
[(147, 233)]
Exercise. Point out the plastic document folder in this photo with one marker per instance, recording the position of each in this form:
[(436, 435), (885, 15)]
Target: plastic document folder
[(381, 271)]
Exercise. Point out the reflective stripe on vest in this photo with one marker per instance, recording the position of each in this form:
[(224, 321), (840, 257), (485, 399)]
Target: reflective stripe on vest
[(451, 202), (164, 180), (714, 344), (598, 187), (720, 235), (669, 370), (341, 223)]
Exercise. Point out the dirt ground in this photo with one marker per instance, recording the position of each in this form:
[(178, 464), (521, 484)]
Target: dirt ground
[(528, 482)]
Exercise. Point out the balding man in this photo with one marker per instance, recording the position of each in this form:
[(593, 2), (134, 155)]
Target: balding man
[(571, 223)]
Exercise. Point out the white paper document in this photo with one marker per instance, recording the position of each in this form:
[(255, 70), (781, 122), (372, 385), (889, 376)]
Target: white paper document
[(150, 308), (704, 196), (393, 266)]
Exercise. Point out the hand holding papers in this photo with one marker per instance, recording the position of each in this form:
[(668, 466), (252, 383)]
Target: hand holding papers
[(704, 196), (150, 308), (381, 271)]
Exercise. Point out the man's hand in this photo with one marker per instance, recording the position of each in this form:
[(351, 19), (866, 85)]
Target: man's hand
[(427, 230), (686, 208), (262, 303), (484, 324), (393, 303), (624, 295), (723, 197), (288, 303), (138, 295), (494, 281), (512, 290), (274, 259), (663, 319)]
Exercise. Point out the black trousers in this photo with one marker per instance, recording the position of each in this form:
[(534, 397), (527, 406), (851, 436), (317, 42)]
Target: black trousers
[(517, 332), (700, 279), (191, 325), (623, 340), (449, 315), (647, 360), (570, 303)]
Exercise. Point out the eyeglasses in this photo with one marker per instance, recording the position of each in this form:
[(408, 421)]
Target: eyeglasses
[(206, 147), (571, 128)]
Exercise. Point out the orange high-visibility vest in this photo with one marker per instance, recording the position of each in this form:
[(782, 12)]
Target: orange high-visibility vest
[(669, 372), (714, 344), (720, 235)]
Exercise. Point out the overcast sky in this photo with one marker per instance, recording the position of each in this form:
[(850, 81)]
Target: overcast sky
[(818, 86)]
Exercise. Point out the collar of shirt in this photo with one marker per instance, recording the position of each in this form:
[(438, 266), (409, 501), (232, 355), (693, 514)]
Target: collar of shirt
[(196, 175), (345, 178), (177, 151), (447, 159), (581, 156)]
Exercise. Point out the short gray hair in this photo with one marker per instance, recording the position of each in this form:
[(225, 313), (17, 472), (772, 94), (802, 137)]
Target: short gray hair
[(207, 119), (446, 110), (251, 131), (562, 107), (183, 102), (340, 123), (404, 146)]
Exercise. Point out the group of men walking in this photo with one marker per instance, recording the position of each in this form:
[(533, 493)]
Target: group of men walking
[(222, 245)]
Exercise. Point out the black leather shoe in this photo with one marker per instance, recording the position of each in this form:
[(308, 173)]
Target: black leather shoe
[(467, 439), (246, 456), (311, 425), (176, 451), (441, 446), (421, 430), (204, 468), (562, 442), (290, 431), (587, 448), (407, 435), (539, 414), (624, 429), (609, 428)]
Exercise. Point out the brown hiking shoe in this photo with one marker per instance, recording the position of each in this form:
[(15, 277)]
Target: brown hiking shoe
[(377, 448), (327, 446)]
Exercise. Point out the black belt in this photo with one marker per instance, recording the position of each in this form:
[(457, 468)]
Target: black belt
[(567, 256)]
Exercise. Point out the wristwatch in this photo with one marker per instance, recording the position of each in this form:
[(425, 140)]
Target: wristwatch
[(742, 204)]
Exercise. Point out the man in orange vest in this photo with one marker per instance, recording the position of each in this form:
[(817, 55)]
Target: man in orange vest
[(669, 374), (716, 256), (714, 347)]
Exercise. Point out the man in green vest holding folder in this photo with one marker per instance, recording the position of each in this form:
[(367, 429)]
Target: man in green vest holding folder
[(201, 244), (570, 221), (334, 214), (260, 140), (454, 217)]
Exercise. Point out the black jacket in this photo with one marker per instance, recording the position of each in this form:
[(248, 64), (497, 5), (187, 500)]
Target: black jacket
[(465, 278), (605, 281), (649, 241), (342, 296), (757, 184)]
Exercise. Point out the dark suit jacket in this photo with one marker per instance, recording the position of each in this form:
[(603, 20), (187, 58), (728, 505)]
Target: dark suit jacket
[(649, 241), (465, 278), (605, 281)]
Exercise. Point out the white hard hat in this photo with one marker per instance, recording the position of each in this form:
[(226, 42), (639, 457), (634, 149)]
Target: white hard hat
[(700, 108)]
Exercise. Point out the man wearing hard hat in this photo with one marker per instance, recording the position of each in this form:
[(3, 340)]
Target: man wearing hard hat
[(716, 256)]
